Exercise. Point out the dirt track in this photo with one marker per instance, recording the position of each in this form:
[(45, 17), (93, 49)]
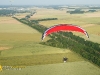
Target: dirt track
[(4, 48)]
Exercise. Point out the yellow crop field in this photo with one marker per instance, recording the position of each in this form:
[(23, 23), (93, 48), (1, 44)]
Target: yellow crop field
[(10, 25), (88, 21)]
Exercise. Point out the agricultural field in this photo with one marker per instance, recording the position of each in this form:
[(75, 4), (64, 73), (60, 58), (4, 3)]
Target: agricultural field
[(20, 45), (88, 21), (70, 68)]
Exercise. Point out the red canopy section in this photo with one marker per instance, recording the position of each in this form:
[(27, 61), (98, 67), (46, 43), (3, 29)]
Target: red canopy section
[(64, 27)]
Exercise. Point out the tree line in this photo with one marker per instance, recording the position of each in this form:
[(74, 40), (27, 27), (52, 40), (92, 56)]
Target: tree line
[(79, 11), (7, 12), (85, 48), (46, 19)]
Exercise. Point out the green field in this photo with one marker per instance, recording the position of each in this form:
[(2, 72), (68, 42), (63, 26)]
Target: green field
[(24, 43), (72, 68), (19, 45)]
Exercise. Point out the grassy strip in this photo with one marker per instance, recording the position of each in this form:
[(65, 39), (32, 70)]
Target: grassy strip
[(38, 59)]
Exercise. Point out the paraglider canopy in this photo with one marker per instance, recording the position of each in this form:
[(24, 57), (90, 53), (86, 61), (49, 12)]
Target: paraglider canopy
[(64, 27)]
